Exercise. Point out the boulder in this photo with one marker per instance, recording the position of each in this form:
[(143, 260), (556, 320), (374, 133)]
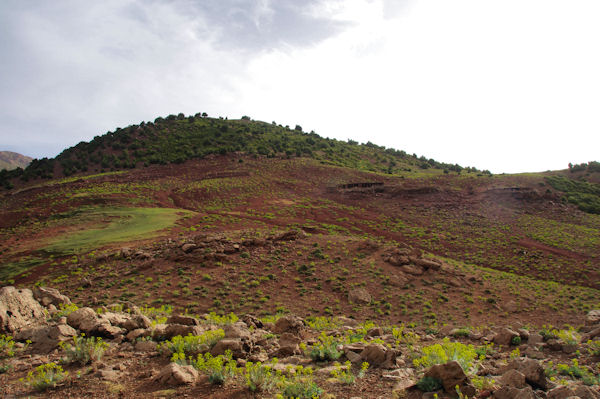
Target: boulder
[(359, 296), (174, 374), (46, 338), (532, 369), (187, 248), (507, 392), (237, 330), (235, 345), (288, 323), (50, 296), (252, 321), (586, 392), (184, 320), (89, 322), (398, 260), (561, 392), (288, 346), (427, 264), (513, 378), (173, 330), (145, 346), (505, 336), (19, 310), (378, 355), (412, 269), (452, 375), (593, 317), (83, 319)]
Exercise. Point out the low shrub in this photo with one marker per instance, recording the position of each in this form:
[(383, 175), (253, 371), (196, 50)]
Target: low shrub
[(260, 377), (325, 349), (445, 352), (193, 344), (45, 376), (429, 384), (84, 350)]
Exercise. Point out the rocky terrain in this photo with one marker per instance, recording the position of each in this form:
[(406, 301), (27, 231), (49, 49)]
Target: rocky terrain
[(202, 257), (52, 348)]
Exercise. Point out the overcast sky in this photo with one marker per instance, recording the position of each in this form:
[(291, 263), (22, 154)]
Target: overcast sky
[(509, 86)]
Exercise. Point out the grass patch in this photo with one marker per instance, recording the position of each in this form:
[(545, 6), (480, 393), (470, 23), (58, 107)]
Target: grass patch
[(119, 224)]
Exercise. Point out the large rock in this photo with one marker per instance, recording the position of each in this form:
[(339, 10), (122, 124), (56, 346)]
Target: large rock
[(88, 321), (380, 356), (237, 330), (505, 336), (288, 346), (288, 323), (236, 346), (19, 310), (593, 317), (184, 320), (533, 371), (83, 319), (47, 338), (426, 263), (127, 321), (513, 378), (452, 375), (359, 296), (174, 374), (50, 296), (507, 392)]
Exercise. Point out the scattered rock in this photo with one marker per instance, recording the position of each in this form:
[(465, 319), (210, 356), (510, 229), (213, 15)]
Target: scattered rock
[(174, 374), (452, 375), (593, 317), (184, 320), (187, 248), (359, 296), (505, 336), (19, 310), (533, 371), (145, 346), (380, 356), (288, 323), (513, 378), (237, 330), (426, 264), (47, 338), (50, 296), (507, 392), (412, 269), (234, 345)]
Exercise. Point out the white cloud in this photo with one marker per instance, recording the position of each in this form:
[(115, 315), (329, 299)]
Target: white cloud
[(508, 86)]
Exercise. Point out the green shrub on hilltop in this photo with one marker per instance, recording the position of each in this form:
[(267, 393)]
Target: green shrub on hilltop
[(586, 196), (175, 140)]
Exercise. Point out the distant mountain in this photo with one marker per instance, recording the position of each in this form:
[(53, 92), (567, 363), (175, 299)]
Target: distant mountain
[(12, 160)]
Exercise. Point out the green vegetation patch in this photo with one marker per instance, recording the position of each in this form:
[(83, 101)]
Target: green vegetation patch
[(121, 224), (586, 196), (10, 269)]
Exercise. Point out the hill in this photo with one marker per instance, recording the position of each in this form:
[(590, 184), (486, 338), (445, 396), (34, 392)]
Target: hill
[(12, 160), (175, 139), (195, 215)]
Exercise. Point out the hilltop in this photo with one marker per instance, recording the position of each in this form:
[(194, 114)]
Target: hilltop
[(201, 215), (12, 160)]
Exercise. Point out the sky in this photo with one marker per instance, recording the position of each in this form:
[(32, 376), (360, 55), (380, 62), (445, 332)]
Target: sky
[(508, 86)]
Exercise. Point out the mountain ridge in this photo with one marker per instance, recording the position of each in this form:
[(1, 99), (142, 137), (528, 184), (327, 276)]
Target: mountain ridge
[(12, 160)]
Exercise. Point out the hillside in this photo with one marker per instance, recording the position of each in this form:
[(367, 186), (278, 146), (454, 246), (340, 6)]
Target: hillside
[(200, 215), (12, 160)]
